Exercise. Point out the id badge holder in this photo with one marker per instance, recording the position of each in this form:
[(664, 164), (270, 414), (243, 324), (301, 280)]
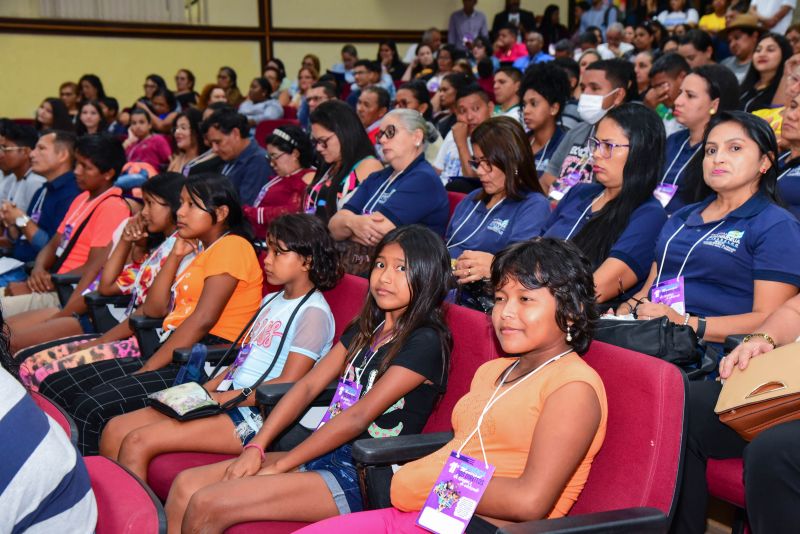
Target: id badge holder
[(132, 304), (563, 185), (347, 394), (664, 193), (455, 495), (64, 240), (670, 292), (226, 383)]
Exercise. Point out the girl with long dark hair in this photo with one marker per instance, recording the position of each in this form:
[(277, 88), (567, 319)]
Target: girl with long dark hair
[(53, 115), (616, 220), (393, 361), (766, 70), (192, 155), (90, 118), (389, 58)]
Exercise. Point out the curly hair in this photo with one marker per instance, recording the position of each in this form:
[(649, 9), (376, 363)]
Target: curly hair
[(308, 236), (560, 267)]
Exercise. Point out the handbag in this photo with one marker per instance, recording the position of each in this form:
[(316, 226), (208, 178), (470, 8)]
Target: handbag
[(191, 400), (765, 394), (659, 337)]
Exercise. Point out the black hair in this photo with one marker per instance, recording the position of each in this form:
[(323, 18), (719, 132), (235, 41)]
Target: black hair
[(167, 187), (561, 268), (458, 80), (384, 100), (189, 76), (699, 39), (218, 106), (103, 150), (752, 76), (95, 82), (396, 61), (645, 133), (349, 49), (450, 49), (485, 68), (143, 113), (158, 80), (291, 137), (619, 73), (722, 84), (341, 120), (762, 135), (471, 89), (510, 27), (22, 135), (195, 118), (550, 81), (169, 96), (227, 120), (421, 94), (429, 278), (481, 40), (588, 37), (504, 144), (80, 128), (211, 191), (571, 68), (327, 85), (564, 45), (309, 237), (672, 64), (280, 65), (64, 139), (231, 74), (372, 66), (111, 103), (512, 72), (264, 83), (61, 118)]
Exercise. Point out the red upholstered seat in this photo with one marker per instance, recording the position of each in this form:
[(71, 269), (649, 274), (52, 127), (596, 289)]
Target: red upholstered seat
[(57, 413), (724, 479), (345, 301), (124, 504), (454, 198), (289, 112), (265, 128)]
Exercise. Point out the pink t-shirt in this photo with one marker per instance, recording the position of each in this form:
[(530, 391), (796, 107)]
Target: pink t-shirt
[(154, 150)]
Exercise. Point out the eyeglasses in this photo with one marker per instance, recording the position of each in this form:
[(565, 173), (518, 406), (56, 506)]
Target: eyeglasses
[(322, 141), (389, 133), (603, 148), (5, 149), (480, 163), (275, 157)]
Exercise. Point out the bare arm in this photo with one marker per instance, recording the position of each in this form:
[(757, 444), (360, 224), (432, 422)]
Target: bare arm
[(608, 278)]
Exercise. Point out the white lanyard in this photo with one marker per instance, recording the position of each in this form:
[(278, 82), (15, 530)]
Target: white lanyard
[(582, 216), (492, 401), (680, 171), (382, 189), (364, 368), (313, 199), (544, 153), (485, 217), (37, 208), (666, 246)]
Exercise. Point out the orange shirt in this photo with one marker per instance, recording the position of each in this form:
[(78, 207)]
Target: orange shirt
[(231, 255), (507, 430), (98, 231)]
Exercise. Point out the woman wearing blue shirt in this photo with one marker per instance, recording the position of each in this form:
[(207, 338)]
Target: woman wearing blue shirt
[(509, 207), (789, 177), (408, 191), (724, 264), (705, 91), (616, 220), (543, 93)]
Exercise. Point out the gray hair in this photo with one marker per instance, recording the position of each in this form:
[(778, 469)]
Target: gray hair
[(616, 26), (412, 120)]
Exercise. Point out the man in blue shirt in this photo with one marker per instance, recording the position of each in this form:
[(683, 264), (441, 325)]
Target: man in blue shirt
[(245, 163), (534, 42), (52, 158), (465, 25), (600, 15)]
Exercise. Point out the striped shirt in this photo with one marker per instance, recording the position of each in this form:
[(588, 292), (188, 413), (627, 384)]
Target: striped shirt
[(44, 485)]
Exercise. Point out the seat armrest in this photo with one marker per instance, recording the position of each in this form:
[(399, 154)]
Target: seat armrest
[(96, 299), (733, 341), (268, 395), (399, 449), (213, 354), (633, 520), (65, 279), (140, 322)]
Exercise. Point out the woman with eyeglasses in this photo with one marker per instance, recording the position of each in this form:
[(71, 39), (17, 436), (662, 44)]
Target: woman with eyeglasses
[(407, 191), (184, 89), (291, 156), (724, 264), (616, 220), (414, 95), (346, 157)]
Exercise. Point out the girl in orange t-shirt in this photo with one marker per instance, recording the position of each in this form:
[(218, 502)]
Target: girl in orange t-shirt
[(210, 302), (546, 400)]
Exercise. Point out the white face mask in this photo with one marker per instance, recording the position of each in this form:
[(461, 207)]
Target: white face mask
[(590, 107)]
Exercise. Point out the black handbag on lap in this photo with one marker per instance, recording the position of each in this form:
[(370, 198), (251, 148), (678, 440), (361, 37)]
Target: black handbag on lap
[(660, 337)]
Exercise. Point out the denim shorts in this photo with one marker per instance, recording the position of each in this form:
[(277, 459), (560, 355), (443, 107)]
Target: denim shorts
[(339, 473), (242, 429)]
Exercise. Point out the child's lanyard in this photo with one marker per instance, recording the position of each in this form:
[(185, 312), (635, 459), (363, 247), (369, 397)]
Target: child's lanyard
[(666, 246), (494, 398), (373, 349)]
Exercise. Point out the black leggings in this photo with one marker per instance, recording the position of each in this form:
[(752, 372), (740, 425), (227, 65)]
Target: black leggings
[(771, 468)]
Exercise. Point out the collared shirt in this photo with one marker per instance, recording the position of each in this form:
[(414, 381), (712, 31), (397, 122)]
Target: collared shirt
[(789, 185), (269, 109), (757, 241), (525, 61), (463, 26), (58, 196), (676, 166), (20, 191), (542, 158), (416, 195), (249, 172)]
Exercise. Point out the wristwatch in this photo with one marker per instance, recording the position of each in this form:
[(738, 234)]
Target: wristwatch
[(22, 221)]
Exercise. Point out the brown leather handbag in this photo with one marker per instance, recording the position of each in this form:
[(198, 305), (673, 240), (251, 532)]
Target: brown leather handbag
[(765, 394)]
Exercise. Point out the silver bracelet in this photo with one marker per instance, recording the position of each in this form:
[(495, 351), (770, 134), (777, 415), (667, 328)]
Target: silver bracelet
[(685, 319)]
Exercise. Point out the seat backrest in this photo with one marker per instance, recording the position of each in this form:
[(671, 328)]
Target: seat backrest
[(474, 344), (454, 198), (57, 414), (289, 112), (346, 301), (124, 504), (642, 455), (265, 128)]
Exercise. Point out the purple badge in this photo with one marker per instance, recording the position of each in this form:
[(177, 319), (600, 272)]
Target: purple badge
[(347, 394), (244, 352), (670, 292), (664, 193)]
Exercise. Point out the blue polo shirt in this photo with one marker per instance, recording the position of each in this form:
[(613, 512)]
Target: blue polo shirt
[(510, 221), (757, 241), (526, 61), (58, 195), (542, 158), (789, 186), (634, 246), (249, 172), (415, 196), (676, 166)]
